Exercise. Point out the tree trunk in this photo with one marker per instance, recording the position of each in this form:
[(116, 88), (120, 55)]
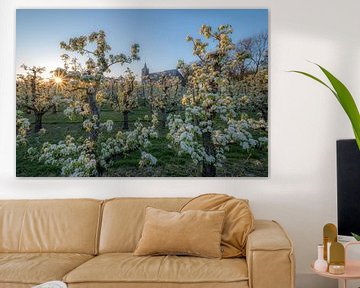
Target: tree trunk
[(38, 122), (163, 118), (209, 170), (91, 97), (100, 170), (144, 97), (126, 120)]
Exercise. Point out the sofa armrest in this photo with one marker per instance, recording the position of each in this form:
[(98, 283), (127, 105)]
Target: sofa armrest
[(269, 256)]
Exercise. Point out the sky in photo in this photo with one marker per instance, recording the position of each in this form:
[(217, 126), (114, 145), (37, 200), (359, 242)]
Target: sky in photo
[(160, 33)]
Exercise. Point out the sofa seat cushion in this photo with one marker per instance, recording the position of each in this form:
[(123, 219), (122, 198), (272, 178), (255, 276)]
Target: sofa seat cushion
[(242, 284), (15, 285), (36, 268), (127, 268)]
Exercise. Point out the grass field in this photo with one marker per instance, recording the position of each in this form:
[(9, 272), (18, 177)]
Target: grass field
[(238, 162)]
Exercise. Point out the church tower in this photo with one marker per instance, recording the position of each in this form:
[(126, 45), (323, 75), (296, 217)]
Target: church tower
[(144, 72)]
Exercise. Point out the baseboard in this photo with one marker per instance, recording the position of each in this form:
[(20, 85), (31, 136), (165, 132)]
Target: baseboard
[(309, 280)]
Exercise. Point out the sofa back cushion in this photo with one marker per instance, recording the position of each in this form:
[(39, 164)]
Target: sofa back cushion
[(123, 220), (66, 226), (238, 224)]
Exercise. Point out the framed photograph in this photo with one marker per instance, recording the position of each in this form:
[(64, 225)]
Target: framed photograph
[(142, 93)]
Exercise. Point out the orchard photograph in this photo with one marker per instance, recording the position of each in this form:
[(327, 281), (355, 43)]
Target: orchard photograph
[(142, 93)]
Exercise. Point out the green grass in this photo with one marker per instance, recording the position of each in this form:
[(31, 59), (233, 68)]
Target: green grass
[(238, 162)]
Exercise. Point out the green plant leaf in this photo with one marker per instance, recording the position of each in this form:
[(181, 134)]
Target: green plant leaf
[(316, 79), (344, 97), (356, 236), (347, 102)]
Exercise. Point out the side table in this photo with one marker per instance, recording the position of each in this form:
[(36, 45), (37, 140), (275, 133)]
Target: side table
[(352, 268)]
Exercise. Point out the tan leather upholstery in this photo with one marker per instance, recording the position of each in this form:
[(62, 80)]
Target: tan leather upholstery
[(239, 220), (242, 284), (193, 233), (123, 218), (73, 226), (15, 285), (68, 226), (269, 256), (36, 268), (126, 268)]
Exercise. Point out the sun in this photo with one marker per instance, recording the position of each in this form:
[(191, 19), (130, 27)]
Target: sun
[(58, 80)]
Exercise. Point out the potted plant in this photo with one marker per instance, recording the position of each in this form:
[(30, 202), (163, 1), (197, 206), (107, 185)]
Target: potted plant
[(344, 97), (346, 100), (357, 237)]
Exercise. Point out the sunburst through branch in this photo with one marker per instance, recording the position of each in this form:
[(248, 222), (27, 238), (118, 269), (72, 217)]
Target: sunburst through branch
[(59, 79)]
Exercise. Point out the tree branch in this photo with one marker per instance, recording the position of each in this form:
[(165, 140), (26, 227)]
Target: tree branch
[(76, 89), (115, 62)]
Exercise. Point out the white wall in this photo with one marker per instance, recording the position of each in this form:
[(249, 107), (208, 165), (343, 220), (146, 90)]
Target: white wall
[(305, 120)]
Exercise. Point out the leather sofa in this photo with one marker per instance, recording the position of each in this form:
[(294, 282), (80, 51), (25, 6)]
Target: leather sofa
[(89, 243)]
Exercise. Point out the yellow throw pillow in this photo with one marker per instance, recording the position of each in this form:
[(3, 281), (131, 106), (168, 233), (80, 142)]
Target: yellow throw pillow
[(193, 232), (238, 224)]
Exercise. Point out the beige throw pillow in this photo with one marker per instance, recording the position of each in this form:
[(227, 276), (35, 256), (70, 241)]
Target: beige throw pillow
[(196, 233), (239, 220)]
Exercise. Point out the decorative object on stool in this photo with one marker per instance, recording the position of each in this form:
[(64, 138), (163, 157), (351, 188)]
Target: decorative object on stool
[(320, 264), (340, 266), (333, 251), (337, 258), (329, 236), (336, 269)]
